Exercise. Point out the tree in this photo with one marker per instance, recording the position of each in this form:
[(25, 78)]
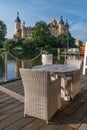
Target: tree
[(72, 42), (28, 44), (64, 39), (41, 34), (3, 32), (8, 44)]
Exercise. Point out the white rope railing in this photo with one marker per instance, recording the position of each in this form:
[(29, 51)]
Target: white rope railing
[(19, 63), (24, 60), (2, 53), (21, 59)]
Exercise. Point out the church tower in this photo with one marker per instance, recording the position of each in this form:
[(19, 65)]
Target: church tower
[(61, 26)]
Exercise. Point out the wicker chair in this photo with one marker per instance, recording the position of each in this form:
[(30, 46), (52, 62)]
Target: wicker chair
[(42, 96), (77, 63), (73, 80)]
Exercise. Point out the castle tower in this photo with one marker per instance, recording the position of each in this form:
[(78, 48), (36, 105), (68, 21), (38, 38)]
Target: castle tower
[(17, 23), (54, 22), (53, 27), (23, 31), (17, 34), (61, 26), (66, 27)]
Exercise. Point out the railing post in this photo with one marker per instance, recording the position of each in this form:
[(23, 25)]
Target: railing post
[(85, 60), (18, 65), (6, 67)]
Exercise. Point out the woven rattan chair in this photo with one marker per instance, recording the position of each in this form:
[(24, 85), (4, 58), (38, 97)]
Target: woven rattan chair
[(42, 96), (73, 80), (77, 63)]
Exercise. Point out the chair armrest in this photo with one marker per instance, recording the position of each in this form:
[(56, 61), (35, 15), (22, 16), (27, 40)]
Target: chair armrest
[(76, 75)]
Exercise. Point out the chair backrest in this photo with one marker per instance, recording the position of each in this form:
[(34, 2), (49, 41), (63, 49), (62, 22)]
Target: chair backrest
[(77, 63), (35, 81), (47, 59)]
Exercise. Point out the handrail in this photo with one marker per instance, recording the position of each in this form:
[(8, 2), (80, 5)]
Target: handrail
[(2, 53), (20, 62), (20, 59)]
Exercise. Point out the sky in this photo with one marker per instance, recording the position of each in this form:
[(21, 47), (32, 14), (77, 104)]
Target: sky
[(32, 11)]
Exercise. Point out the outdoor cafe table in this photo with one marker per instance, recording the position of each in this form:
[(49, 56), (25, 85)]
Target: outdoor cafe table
[(61, 70)]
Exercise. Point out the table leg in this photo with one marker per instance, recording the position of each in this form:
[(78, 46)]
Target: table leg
[(64, 89)]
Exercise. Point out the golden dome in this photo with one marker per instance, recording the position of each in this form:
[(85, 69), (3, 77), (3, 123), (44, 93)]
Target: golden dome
[(53, 21)]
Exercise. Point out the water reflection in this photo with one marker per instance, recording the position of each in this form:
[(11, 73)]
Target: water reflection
[(7, 67), (25, 55)]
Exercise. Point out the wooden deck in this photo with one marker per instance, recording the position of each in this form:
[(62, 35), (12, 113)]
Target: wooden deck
[(73, 115)]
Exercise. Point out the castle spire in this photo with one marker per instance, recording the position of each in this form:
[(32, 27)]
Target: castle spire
[(18, 19), (61, 20), (23, 24), (17, 14), (67, 23)]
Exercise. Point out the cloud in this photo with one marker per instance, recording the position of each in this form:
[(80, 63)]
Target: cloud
[(33, 10), (79, 31)]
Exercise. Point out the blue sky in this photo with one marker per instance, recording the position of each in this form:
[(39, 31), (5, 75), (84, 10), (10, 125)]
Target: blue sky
[(31, 11)]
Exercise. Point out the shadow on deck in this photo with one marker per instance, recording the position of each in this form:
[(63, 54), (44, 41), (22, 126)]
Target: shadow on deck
[(72, 116)]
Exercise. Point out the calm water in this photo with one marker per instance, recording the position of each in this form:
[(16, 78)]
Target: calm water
[(10, 69)]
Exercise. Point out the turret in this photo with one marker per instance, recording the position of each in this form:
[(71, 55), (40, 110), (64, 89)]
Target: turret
[(23, 29), (54, 22), (61, 26), (61, 21), (67, 27), (17, 23)]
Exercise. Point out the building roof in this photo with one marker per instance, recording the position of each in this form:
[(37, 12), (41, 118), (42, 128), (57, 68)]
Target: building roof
[(67, 25), (18, 19), (61, 21)]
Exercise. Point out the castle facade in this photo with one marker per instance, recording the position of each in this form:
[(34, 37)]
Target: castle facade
[(21, 31), (58, 28)]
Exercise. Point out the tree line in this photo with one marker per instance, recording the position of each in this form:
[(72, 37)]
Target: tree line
[(41, 40)]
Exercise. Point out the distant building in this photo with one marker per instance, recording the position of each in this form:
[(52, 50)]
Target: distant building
[(78, 43), (21, 31)]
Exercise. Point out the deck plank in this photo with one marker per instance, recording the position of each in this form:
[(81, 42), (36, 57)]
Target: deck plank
[(37, 123), (65, 127), (83, 125), (72, 116), (18, 124)]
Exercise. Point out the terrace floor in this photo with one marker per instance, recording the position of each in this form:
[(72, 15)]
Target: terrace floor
[(72, 116)]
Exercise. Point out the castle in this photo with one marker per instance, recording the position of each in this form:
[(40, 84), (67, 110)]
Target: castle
[(58, 28), (21, 31)]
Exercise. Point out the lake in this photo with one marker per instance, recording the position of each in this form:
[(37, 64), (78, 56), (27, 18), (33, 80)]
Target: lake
[(9, 65)]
